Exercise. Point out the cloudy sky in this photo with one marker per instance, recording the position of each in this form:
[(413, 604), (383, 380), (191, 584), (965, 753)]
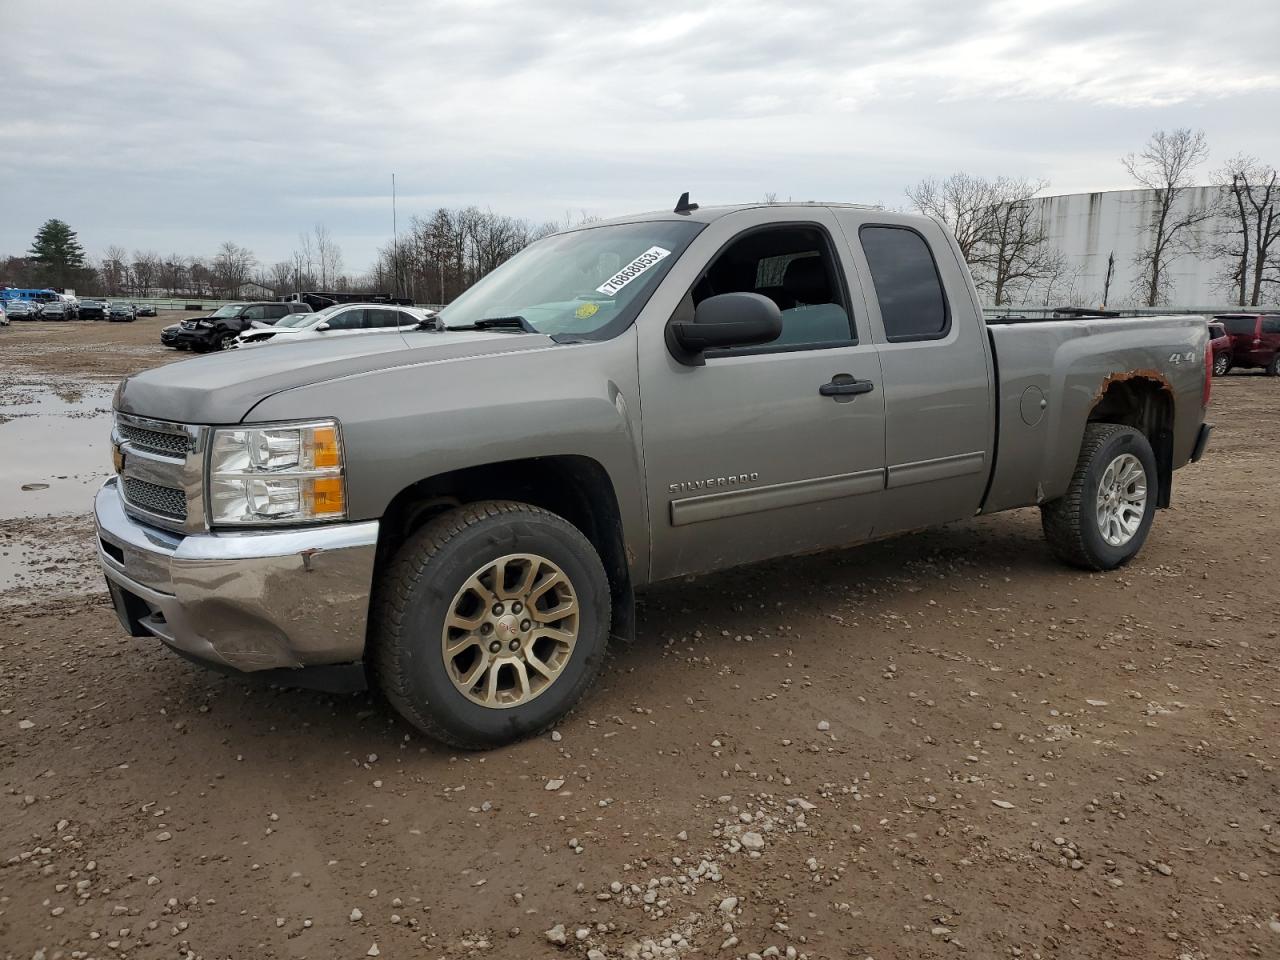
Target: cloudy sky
[(172, 125)]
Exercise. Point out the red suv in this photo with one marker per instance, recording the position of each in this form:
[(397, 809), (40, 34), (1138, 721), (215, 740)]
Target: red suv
[(1220, 344), (1255, 340)]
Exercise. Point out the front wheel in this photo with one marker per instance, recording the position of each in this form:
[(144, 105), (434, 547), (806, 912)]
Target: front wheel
[(1273, 368), (1104, 517), (1221, 365), (490, 623)]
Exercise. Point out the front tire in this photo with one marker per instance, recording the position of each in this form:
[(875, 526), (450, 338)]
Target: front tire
[(1273, 368), (1221, 365), (490, 623), (1103, 519)]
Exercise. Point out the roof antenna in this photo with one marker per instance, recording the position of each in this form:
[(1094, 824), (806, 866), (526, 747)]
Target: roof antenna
[(683, 205)]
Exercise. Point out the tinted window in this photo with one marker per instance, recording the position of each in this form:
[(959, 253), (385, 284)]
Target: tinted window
[(793, 267), (382, 318), (408, 320), (1217, 330), (258, 312), (907, 284), (1240, 326), (1271, 324), (276, 310), (346, 320)]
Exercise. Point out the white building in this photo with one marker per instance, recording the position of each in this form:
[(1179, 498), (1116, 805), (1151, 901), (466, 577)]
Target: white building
[(1090, 228)]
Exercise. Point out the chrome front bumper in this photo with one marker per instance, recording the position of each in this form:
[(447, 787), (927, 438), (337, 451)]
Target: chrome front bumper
[(249, 601)]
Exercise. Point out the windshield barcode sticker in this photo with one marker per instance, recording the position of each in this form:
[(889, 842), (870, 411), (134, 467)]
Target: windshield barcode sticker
[(632, 270)]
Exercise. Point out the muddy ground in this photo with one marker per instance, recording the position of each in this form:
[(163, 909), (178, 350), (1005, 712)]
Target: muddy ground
[(946, 745)]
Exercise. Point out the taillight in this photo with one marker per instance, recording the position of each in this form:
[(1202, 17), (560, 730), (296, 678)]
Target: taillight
[(1208, 372)]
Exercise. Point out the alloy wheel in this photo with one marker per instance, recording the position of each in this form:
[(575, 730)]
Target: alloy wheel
[(510, 631), (1122, 499)]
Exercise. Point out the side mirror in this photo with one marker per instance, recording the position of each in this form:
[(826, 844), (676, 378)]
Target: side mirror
[(322, 326), (726, 320)]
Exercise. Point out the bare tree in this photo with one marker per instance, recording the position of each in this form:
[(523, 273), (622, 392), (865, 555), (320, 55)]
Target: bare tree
[(232, 268), (997, 224), (328, 256), (115, 270), (281, 277), (1014, 253), (1164, 167), (1248, 239), (963, 203), (146, 272), (173, 274)]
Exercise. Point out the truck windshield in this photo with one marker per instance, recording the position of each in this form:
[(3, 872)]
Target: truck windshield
[(586, 283)]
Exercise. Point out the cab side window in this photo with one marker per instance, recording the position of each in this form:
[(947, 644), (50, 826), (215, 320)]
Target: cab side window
[(382, 319), (258, 312), (276, 310), (793, 266), (908, 288), (347, 320)]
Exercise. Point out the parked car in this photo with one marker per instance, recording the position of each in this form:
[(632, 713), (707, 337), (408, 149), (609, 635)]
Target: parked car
[(4, 316), (463, 512), (23, 309), (146, 309), (122, 312), (221, 328), (93, 310), (1255, 340), (1220, 344), (339, 320), (56, 310)]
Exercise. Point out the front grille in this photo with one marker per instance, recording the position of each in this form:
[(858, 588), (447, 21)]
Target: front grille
[(165, 501), (173, 444)]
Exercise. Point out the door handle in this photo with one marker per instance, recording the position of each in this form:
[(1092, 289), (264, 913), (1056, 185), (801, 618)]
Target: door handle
[(844, 385)]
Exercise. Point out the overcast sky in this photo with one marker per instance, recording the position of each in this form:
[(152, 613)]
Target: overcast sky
[(174, 125)]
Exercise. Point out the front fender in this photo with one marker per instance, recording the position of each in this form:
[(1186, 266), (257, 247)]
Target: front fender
[(404, 424)]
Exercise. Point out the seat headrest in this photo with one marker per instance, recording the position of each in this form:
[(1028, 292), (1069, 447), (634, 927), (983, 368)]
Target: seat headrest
[(806, 280)]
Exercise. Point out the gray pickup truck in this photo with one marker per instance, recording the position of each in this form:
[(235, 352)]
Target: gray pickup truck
[(461, 514)]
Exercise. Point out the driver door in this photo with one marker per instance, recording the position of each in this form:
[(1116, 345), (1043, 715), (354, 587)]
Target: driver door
[(745, 456)]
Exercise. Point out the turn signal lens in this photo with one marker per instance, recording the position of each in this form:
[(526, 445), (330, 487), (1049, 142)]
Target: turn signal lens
[(324, 447), (326, 497)]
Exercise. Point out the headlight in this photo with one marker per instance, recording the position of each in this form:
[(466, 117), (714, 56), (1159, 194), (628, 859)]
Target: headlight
[(204, 324), (278, 473)]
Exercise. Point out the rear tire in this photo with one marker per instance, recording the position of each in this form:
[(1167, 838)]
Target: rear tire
[(448, 624), (1221, 365), (1273, 368), (1103, 519)]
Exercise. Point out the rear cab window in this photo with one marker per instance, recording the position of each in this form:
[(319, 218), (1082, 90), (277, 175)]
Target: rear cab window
[(913, 305)]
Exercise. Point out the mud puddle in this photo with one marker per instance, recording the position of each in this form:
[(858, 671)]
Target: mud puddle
[(54, 452)]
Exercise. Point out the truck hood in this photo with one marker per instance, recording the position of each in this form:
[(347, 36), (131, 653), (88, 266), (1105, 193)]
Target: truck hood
[(224, 387)]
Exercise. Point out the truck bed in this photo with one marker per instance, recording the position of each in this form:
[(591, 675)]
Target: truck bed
[(1051, 375)]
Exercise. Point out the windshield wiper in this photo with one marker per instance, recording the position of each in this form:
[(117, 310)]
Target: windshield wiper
[(514, 323)]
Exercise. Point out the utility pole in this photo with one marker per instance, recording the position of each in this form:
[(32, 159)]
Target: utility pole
[(395, 237)]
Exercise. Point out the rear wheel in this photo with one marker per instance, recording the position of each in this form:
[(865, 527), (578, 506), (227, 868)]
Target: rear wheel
[(490, 623), (1221, 364), (1104, 517), (1273, 368)]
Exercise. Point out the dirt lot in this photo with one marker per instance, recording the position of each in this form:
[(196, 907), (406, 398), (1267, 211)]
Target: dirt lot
[(939, 746)]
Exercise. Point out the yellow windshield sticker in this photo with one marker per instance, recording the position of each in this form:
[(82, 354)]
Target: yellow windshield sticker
[(586, 311)]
